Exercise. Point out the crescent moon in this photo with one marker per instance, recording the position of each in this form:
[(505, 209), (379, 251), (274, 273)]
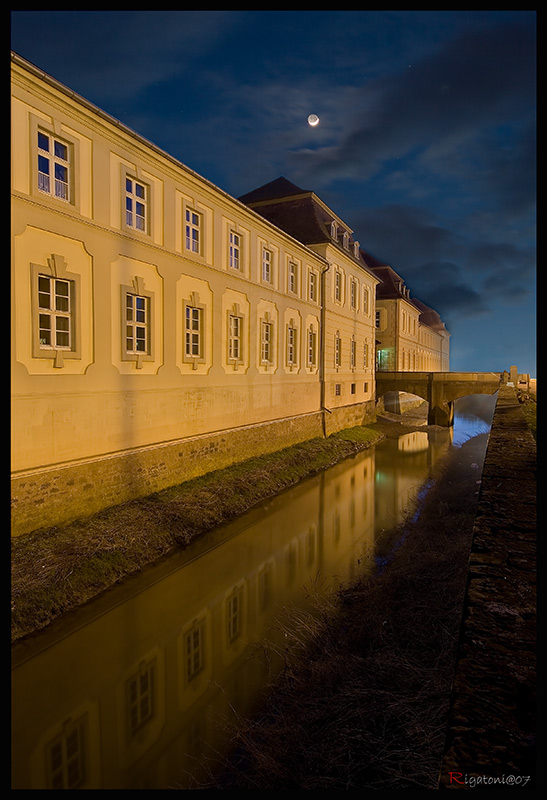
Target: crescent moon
[(313, 120)]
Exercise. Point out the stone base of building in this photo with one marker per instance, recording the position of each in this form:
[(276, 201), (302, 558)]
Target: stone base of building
[(62, 493)]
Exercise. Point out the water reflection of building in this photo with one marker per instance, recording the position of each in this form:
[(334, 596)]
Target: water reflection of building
[(129, 700)]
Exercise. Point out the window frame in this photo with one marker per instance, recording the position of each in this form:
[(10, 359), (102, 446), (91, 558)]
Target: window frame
[(137, 289), (235, 338), (235, 250), (266, 265), (56, 271), (291, 349), (266, 342), (191, 226), (55, 131), (144, 200)]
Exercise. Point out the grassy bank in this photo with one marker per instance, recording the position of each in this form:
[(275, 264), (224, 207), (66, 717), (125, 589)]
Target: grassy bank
[(56, 569)]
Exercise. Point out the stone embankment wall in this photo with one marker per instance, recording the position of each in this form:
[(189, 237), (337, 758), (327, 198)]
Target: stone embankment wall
[(491, 734)]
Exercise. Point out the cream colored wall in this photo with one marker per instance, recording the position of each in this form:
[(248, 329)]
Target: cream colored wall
[(69, 407), (410, 345)]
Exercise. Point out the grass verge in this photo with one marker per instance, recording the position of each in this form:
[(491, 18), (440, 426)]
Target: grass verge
[(56, 569)]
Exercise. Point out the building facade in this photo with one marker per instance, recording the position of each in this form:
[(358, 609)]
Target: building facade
[(161, 328), (410, 336)]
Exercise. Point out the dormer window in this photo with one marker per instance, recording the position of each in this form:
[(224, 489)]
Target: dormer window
[(334, 230), (345, 239), (356, 249)]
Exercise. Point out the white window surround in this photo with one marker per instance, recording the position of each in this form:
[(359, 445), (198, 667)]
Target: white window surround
[(136, 204), (55, 298), (137, 316), (63, 190), (235, 250), (193, 231), (266, 341)]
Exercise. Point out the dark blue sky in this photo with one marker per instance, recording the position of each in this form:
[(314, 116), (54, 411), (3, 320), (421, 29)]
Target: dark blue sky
[(425, 146)]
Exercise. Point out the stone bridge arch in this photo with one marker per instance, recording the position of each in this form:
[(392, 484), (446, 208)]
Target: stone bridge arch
[(440, 389)]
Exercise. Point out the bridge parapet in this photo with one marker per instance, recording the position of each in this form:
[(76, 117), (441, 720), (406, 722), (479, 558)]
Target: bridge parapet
[(440, 389)]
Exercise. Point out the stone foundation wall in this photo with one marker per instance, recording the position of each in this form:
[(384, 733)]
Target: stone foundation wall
[(56, 495)]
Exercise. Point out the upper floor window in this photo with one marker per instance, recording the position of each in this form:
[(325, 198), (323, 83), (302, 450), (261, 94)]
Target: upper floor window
[(136, 204), (193, 231), (292, 277), (338, 286), (235, 250), (353, 294), (313, 285), (365, 300), (266, 265), (53, 166)]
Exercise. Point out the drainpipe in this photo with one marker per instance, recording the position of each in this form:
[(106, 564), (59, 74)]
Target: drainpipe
[(322, 347)]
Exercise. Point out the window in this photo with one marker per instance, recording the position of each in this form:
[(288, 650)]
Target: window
[(312, 348), (378, 319), (338, 286), (65, 756), (235, 328), (365, 355), (193, 231), (266, 342), (353, 294), (136, 204), (193, 341), (292, 277), (313, 285), (140, 697), (235, 250), (365, 300), (353, 354), (55, 301), (137, 322), (234, 610), (292, 351), (53, 166), (194, 649), (266, 265), (337, 350)]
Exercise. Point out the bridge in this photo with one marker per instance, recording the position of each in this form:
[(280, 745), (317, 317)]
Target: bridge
[(440, 389)]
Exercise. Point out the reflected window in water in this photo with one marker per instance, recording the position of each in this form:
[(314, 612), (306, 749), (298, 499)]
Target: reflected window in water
[(65, 756), (140, 697)]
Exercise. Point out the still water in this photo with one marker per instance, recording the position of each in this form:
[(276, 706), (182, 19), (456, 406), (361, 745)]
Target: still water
[(132, 690)]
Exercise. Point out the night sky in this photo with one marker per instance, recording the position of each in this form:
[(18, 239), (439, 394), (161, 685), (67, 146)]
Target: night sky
[(425, 145)]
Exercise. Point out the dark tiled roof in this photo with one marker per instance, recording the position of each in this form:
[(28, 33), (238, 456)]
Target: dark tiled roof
[(292, 209)]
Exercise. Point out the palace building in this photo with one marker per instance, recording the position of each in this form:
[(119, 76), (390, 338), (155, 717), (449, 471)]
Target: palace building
[(161, 328)]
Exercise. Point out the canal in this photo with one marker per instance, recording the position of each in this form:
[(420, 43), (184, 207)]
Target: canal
[(135, 689)]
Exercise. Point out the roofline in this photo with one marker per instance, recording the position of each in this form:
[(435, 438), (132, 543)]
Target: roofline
[(32, 68)]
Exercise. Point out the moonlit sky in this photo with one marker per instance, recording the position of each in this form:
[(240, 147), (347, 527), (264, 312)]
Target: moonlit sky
[(425, 146)]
